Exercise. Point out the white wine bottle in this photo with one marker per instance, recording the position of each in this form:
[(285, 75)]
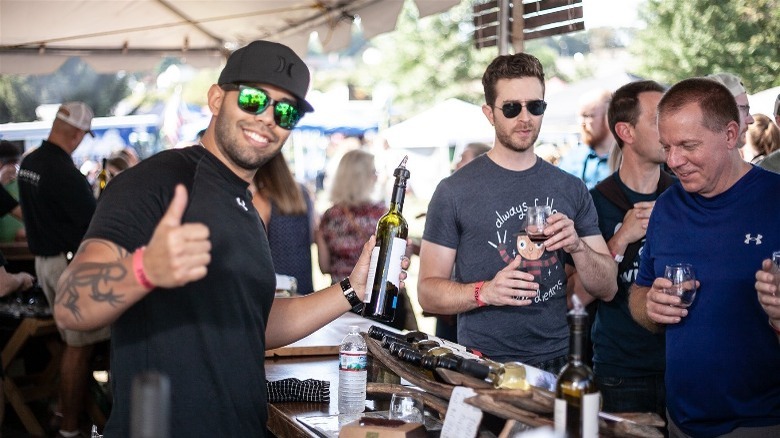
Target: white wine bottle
[(102, 179), (384, 275), (577, 398)]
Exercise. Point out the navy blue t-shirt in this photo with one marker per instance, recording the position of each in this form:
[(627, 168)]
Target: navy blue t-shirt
[(621, 347)]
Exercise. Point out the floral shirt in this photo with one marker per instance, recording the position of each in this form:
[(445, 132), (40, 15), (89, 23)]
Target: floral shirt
[(346, 230)]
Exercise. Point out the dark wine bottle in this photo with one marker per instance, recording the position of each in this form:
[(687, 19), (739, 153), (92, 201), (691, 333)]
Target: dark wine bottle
[(415, 336), (384, 275), (577, 398)]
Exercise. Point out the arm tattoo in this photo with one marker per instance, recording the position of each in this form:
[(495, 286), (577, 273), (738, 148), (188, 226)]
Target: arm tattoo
[(97, 279)]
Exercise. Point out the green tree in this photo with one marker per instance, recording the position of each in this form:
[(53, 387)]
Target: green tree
[(428, 60), (698, 37), (74, 80)]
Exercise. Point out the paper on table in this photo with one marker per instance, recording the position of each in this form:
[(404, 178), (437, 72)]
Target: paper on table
[(462, 420)]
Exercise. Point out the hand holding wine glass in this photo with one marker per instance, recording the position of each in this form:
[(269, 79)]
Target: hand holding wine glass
[(536, 221), (768, 287), (683, 280)]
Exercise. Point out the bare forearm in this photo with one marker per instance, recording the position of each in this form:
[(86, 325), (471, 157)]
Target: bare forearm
[(445, 297), (93, 294), (292, 319), (637, 304), (597, 272)]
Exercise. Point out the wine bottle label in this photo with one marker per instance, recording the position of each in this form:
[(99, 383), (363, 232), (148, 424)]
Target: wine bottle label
[(352, 361), (588, 416), (396, 253)]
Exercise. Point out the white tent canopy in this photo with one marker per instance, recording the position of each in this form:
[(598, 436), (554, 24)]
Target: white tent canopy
[(763, 102), (427, 138), (452, 122), (37, 36)]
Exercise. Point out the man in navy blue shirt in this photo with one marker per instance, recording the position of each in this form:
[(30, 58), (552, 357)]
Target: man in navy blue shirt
[(722, 357)]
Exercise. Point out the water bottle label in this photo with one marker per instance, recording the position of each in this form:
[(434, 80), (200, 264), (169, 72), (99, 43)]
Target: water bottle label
[(353, 361)]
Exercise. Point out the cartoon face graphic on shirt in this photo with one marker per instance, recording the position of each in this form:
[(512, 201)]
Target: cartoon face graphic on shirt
[(528, 249)]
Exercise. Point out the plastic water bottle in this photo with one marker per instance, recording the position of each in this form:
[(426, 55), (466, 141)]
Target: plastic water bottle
[(353, 360)]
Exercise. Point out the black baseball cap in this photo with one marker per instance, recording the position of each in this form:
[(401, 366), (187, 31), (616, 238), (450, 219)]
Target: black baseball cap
[(269, 63)]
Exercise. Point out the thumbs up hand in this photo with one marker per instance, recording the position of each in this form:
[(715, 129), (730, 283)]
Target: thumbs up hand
[(178, 253)]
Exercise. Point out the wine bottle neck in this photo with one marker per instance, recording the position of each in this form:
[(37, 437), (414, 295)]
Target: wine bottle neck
[(576, 341), (399, 192)]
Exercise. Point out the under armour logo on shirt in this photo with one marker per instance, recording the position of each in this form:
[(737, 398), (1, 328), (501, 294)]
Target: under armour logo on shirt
[(749, 238), (241, 202)]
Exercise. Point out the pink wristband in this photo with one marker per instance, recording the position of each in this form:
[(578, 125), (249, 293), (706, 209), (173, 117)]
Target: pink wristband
[(477, 298), (138, 269)]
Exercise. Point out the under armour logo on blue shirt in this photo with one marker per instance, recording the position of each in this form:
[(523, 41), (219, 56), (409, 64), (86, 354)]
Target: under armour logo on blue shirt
[(749, 238)]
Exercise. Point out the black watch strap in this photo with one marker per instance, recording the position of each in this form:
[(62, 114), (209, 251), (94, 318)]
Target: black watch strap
[(350, 295)]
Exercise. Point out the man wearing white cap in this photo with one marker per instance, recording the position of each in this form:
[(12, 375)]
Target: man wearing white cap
[(737, 89), (57, 205)]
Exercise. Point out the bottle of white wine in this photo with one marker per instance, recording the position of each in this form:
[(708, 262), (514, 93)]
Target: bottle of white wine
[(384, 275), (577, 398), (102, 179)]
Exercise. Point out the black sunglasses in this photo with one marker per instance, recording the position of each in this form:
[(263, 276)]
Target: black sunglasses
[(513, 109), (255, 101)]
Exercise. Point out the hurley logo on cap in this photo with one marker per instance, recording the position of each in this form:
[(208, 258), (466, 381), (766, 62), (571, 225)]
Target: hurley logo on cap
[(267, 62), (77, 114)]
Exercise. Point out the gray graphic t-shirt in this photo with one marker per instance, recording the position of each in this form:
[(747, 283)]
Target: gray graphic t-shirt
[(480, 212)]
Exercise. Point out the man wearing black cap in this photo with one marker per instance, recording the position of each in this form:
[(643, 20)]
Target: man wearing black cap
[(177, 260)]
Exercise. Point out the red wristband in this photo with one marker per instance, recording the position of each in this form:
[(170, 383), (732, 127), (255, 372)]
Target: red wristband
[(138, 269), (777, 331), (477, 288)]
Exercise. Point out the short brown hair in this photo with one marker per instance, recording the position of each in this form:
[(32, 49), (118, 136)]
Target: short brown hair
[(716, 102), (519, 65), (624, 106), (764, 134)]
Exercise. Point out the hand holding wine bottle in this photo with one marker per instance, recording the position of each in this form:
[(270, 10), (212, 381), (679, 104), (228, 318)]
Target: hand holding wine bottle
[(384, 275)]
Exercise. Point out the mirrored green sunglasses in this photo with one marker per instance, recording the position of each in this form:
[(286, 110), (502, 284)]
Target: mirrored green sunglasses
[(255, 101)]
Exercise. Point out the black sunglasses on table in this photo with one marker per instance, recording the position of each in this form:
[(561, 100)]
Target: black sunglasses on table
[(513, 109), (255, 100)]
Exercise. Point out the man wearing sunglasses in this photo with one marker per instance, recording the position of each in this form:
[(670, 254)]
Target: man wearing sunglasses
[(177, 260), (477, 215)]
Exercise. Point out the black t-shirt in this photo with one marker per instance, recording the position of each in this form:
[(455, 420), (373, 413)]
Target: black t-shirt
[(7, 202), (208, 337), (621, 347), (57, 201)]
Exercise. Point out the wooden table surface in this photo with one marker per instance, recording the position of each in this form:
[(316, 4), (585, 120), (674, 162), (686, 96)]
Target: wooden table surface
[(282, 416), (314, 357)]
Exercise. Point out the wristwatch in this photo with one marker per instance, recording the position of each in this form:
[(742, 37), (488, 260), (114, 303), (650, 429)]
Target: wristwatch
[(350, 295)]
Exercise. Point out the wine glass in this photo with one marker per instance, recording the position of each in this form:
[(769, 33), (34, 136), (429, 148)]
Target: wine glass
[(683, 281), (407, 407), (536, 220)]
